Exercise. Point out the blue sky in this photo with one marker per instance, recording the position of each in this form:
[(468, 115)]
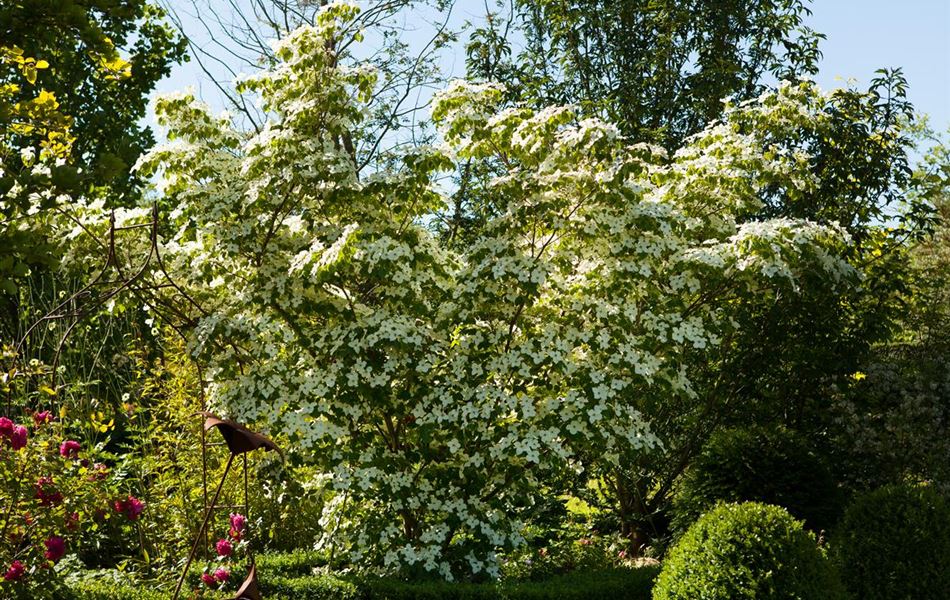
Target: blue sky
[(862, 36), (865, 35)]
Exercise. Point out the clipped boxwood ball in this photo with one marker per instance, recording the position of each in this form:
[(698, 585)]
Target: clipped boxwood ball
[(748, 550), (894, 544), (770, 465)]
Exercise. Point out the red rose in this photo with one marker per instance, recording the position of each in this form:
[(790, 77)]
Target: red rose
[(131, 507), (6, 427), (15, 572), (55, 548), (47, 493), (69, 449), (42, 417), (18, 437)]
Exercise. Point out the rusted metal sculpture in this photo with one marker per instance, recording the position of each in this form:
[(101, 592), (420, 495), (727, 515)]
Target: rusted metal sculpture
[(240, 441), (147, 280)]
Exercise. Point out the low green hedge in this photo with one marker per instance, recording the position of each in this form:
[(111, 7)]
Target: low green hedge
[(312, 587), (290, 564), (619, 584), (298, 562), (103, 590)]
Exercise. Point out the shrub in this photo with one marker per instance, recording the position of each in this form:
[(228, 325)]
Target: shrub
[(614, 584), (98, 590), (54, 492), (893, 426), (316, 587), (774, 466), (163, 457), (298, 562), (894, 543), (748, 550), (564, 554)]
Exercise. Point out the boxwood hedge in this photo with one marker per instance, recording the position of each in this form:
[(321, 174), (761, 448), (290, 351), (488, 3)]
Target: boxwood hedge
[(287, 582)]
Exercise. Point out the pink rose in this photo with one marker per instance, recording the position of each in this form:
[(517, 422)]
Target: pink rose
[(224, 548), (15, 572), (18, 438), (221, 574), (238, 522), (69, 449), (208, 580), (55, 548), (6, 427), (99, 472), (131, 507), (47, 493), (42, 417)]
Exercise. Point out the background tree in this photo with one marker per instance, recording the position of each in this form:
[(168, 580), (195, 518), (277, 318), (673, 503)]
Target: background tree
[(105, 58), (100, 61), (93, 67), (657, 68), (893, 419)]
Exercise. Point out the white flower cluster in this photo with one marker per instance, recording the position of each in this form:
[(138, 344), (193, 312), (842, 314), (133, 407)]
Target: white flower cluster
[(435, 389)]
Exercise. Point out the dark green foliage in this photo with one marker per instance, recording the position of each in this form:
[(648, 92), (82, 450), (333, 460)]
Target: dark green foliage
[(790, 346), (751, 551), (619, 584), (558, 549), (893, 425), (894, 544), (105, 57), (616, 584), (100, 590), (291, 564), (106, 111), (659, 69), (774, 466), (317, 587)]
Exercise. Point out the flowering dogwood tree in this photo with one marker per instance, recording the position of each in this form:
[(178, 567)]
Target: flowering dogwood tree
[(437, 388)]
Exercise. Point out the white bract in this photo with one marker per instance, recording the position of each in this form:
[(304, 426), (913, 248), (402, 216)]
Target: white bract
[(438, 388)]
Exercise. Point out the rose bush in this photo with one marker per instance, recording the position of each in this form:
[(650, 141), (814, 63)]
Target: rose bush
[(53, 491), (227, 550)]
